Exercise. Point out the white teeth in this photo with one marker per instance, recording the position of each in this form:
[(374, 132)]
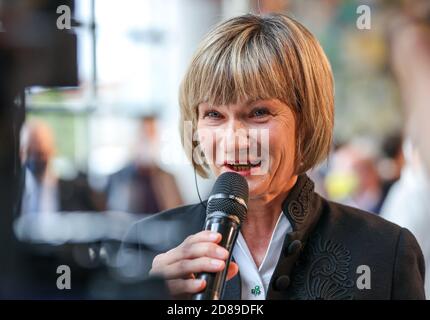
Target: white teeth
[(241, 167)]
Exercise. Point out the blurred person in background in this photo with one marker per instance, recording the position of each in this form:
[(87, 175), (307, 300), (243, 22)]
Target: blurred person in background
[(142, 186), (353, 177), (44, 191), (392, 162), (407, 203)]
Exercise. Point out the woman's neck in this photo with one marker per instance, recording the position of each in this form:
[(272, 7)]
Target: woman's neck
[(262, 216)]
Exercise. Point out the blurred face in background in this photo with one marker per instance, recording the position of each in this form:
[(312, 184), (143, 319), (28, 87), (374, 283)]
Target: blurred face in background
[(353, 176), (38, 148), (147, 142)]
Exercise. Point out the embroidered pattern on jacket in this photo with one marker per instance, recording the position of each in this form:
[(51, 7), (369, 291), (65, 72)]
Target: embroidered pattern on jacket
[(322, 272), (298, 209)]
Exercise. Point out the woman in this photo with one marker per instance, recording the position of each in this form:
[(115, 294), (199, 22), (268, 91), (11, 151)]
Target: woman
[(270, 74)]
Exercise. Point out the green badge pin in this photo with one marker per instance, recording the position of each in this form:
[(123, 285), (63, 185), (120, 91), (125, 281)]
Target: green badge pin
[(256, 291)]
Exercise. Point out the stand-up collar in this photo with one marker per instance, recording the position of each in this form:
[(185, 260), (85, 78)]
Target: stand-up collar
[(299, 205)]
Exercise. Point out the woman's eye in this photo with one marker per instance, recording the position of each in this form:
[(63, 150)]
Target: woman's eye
[(259, 113), (212, 114)]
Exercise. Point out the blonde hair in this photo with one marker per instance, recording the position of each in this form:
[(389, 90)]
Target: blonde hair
[(253, 57)]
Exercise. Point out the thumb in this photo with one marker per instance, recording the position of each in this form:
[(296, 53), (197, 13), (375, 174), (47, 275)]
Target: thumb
[(233, 269)]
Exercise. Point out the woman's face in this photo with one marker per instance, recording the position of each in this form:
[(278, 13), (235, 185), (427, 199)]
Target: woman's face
[(255, 139)]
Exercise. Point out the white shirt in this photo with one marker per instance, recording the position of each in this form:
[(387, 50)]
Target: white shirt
[(255, 281), (407, 205), (40, 197)]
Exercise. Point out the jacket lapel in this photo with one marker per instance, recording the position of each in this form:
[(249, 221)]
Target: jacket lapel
[(302, 208), (233, 288)]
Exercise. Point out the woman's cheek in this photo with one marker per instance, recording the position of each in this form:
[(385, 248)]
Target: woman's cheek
[(206, 141), (281, 147)]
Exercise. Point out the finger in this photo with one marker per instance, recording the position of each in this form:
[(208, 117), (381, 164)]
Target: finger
[(177, 253), (160, 273), (204, 249), (182, 269), (233, 269), (181, 286)]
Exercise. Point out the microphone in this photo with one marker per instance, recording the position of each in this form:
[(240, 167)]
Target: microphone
[(226, 210)]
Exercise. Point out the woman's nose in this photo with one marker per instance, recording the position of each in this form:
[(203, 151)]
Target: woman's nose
[(236, 129), (236, 141)]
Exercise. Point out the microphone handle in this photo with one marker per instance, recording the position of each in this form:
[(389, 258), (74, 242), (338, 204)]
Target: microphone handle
[(215, 282)]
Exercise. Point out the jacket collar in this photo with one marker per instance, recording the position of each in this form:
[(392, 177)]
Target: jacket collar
[(300, 207)]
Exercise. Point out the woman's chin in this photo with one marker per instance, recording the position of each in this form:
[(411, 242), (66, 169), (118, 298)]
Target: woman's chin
[(257, 185)]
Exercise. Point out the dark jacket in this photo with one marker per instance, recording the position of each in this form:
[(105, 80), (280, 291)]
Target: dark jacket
[(142, 189), (326, 255), (77, 195)]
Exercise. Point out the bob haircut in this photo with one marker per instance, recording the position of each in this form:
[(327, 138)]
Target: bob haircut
[(252, 57)]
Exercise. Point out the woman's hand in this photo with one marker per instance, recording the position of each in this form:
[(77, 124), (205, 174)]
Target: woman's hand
[(199, 252)]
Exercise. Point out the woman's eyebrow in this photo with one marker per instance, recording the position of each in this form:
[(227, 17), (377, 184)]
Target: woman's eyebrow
[(266, 102)]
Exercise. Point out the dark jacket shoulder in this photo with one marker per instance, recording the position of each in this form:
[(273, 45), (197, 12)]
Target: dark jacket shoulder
[(366, 256), (169, 228), (156, 234)]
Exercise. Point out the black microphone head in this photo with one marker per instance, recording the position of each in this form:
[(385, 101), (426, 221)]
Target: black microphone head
[(229, 194)]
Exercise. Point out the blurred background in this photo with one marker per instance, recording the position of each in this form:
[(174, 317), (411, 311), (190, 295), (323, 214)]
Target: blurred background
[(91, 115)]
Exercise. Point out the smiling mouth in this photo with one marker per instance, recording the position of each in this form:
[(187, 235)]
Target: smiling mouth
[(242, 167)]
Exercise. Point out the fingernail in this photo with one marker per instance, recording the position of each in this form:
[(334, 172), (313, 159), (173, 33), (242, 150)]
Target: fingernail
[(213, 236), (198, 283), (221, 252), (217, 263)]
